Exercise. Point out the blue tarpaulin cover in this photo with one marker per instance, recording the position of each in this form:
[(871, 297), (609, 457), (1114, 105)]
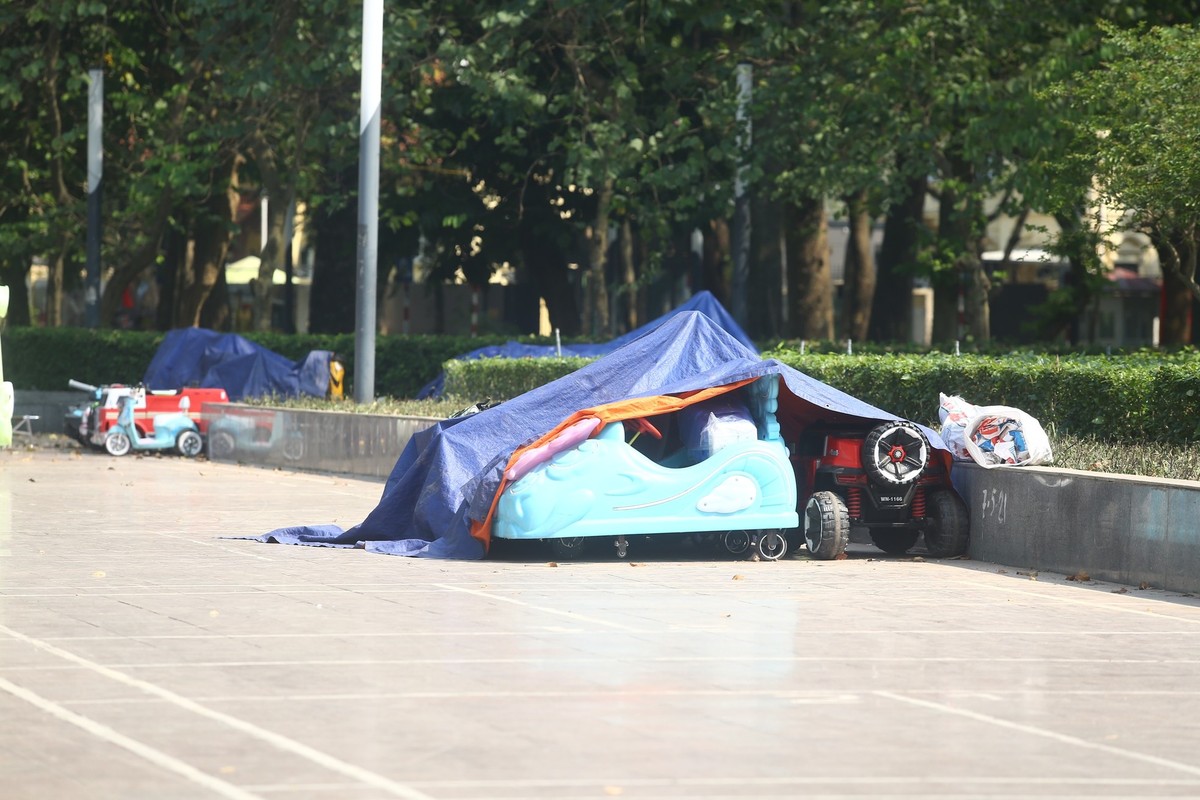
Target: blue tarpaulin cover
[(448, 475), (704, 302), (204, 358)]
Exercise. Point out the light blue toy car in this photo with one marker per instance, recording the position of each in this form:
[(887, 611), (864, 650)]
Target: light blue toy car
[(724, 469), (174, 431)]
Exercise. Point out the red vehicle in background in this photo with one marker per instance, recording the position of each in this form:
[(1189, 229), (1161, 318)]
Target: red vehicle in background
[(96, 418)]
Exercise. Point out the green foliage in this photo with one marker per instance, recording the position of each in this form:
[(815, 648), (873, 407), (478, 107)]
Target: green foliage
[(1125, 399), (46, 358), (1136, 134), (505, 378)]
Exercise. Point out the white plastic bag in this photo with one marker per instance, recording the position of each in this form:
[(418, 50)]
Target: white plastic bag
[(954, 413), (999, 435)]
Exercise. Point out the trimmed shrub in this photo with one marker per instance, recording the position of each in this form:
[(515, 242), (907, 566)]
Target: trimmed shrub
[(504, 378)]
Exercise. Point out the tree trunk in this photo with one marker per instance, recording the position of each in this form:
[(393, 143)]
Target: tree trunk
[(1083, 275), (629, 272), (597, 295), (272, 256), (960, 226), (767, 291), (715, 261), (859, 290), (978, 294), (172, 269), (544, 257), (332, 301), (810, 279), (63, 199), (210, 242), (1178, 258), (134, 265), (949, 289), (891, 316), (54, 289), (14, 270)]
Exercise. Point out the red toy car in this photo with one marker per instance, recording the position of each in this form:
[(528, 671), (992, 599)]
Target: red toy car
[(887, 481), (96, 419)]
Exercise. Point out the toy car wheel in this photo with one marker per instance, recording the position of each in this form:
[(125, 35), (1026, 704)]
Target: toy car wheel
[(189, 444), (895, 453), (826, 526), (736, 542), (895, 543), (221, 445), (117, 443), (567, 548), (948, 533), (771, 545)]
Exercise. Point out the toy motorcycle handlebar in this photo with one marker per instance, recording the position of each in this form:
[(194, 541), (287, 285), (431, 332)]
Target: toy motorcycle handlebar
[(81, 386)]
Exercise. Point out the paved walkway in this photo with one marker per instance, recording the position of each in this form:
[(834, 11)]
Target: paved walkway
[(142, 656)]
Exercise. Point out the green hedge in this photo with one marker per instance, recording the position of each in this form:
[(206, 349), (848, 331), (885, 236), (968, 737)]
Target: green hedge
[(504, 378), (1143, 396), (46, 358), (1134, 398), (1122, 399)]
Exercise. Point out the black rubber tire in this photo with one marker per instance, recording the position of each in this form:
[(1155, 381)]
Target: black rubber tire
[(895, 542), (826, 526), (189, 444), (221, 445), (895, 453), (568, 548), (771, 545), (949, 531), (736, 543)]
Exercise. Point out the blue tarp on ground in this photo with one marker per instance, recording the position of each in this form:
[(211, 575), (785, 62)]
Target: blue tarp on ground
[(704, 302), (204, 358), (448, 475)]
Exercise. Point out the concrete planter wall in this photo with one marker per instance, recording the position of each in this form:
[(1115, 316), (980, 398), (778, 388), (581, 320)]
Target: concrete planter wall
[(1113, 527), (363, 445), (48, 407)]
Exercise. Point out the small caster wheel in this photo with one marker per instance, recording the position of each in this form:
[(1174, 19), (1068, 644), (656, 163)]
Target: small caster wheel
[(622, 546), (771, 545), (736, 542)]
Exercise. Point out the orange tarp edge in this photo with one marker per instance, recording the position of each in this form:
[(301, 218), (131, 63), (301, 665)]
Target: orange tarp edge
[(611, 412)]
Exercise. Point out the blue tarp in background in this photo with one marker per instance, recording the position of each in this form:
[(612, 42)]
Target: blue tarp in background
[(448, 474), (204, 358), (704, 302)]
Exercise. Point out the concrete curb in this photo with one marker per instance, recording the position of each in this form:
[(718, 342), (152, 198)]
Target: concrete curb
[(362, 445), (1119, 528)]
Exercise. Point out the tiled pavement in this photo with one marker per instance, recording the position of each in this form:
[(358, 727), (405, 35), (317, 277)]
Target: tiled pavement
[(143, 656)]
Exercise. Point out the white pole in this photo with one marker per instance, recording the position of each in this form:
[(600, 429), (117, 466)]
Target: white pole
[(368, 200), (95, 175)]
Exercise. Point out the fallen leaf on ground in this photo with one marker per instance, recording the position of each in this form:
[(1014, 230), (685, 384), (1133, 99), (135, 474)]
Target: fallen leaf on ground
[(552, 564), (1080, 576)]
